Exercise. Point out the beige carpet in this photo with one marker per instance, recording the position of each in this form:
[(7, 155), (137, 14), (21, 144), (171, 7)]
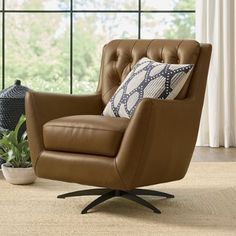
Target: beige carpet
[(204, 204)]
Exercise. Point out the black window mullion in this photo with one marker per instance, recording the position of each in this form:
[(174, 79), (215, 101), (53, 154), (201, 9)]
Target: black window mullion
[(71, 46), (3, 44), (71, 11), (139, 19)]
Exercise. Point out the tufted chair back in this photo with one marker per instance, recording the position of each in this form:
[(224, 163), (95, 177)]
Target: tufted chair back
[(119, 57)]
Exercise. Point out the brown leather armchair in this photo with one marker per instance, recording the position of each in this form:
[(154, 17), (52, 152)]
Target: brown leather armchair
[(70, 141)]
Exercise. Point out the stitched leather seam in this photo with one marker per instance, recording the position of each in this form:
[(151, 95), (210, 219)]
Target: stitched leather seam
[(107, 63), (99, 87), (36, 118), (162, 53), (131, 52), (175, 101), (144, 144), (109, 90), (149, 45), (114, 63), (118, 172), (116, 71), (177, 49), (72, 127), (103, 94)]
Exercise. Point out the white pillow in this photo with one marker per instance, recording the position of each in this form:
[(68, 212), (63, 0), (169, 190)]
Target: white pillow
[(147, 79)]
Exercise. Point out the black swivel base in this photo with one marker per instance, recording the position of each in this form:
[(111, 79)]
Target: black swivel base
[(109, 193)]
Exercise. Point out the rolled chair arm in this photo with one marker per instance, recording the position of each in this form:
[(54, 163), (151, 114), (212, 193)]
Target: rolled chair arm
[(42, 107)]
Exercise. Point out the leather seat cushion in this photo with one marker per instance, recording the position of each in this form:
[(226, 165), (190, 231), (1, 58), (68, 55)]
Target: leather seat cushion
[(91, 134)]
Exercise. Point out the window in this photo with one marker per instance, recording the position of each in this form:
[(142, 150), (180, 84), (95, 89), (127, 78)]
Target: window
[(56, 45)]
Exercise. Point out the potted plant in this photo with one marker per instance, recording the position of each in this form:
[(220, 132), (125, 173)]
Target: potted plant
[(15, 151)]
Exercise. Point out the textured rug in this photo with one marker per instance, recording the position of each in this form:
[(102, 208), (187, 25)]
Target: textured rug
[(204, 204)]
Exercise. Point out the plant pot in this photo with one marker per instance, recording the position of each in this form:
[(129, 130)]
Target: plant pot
[(18, 175)]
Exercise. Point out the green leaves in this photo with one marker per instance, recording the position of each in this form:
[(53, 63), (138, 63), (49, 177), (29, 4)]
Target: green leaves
[(13, 150)]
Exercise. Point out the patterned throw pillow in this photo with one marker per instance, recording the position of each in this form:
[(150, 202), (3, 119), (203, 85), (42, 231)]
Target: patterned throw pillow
[(147, 79)]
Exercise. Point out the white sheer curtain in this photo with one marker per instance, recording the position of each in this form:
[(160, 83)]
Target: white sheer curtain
[(216, 24)]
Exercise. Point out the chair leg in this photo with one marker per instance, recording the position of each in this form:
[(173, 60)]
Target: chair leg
[(99, 200), (151, 193), (141, 201), (109, 193), (98, 191)]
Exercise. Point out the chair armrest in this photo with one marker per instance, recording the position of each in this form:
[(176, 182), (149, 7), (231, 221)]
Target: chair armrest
[(42, 107), (159, 141)]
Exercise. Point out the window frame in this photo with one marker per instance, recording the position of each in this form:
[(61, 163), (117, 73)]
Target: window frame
[(72, 11)]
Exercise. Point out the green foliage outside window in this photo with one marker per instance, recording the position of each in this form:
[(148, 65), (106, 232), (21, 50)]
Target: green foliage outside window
[(38, 44), (183, 25)]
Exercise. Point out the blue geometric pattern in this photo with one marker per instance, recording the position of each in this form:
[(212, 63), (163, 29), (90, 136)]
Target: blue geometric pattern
[(140, 82)]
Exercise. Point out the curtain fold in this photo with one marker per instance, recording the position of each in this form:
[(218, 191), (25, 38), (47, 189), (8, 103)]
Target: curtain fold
[(216, 24)]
